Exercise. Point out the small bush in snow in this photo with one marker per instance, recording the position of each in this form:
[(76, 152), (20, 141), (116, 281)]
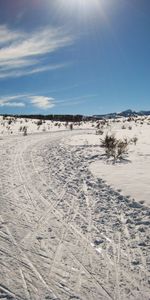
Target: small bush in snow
[(134, 140), (114, 147), (39, 123), (9, 122), (24, 131), (99, 132), (121, 149), (71, 126), (98, 125), (109, 141)]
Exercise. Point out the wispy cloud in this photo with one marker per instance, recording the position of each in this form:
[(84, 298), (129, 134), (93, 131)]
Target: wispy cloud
[(76, 100), (41, 102), (13, 104), (23, 54), (7, 35), (12, 101), (25, 72)]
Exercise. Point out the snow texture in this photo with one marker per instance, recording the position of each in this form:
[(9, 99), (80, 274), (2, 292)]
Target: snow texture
[(64, 232)]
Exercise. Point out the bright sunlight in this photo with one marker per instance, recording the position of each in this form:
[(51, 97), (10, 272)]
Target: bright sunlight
[(82, 6)]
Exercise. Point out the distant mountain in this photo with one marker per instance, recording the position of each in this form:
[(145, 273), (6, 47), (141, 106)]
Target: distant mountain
[(125, 113), (144, 113)]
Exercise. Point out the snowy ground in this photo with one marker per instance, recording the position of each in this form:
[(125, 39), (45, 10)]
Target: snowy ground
[(64, 233), (130, 176), (15, 126)]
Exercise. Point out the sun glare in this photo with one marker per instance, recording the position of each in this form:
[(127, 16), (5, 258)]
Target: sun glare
[(81, 6)]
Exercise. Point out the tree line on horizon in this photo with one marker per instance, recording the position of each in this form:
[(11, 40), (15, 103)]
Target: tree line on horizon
[(52, 117)]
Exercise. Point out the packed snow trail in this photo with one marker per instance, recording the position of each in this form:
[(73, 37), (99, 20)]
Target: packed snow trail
[(63, 234)]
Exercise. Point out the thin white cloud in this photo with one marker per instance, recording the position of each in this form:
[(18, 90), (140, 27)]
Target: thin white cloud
[(42, 102), (23, 54), (76, 100), (13, 104), (11, 101), (8, 36), (26, 72), (23, 100)]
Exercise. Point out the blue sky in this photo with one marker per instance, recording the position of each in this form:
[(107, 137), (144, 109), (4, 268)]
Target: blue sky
[(74, 56)]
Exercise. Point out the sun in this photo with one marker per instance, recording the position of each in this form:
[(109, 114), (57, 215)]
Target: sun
[(81, 6), (86, 13), (82, 3)]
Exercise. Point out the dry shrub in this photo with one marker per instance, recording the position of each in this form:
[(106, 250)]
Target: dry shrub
[(9, 122), (71, 126), (24, 131), (39, 122), (134, 140), (114, 147), (121, 149), (99, 132)]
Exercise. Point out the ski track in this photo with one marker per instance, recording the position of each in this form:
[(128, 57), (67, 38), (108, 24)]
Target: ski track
[(63, 233)]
